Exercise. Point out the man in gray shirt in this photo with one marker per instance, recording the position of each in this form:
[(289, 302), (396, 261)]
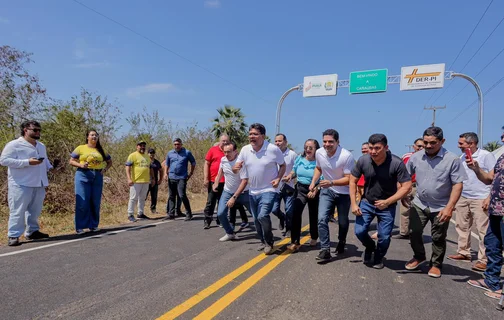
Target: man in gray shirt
[(439, 177)]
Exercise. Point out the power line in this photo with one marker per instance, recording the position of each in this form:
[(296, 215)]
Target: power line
[(470, 59), (486, 66), (171, 51), (465, 43), (475, 101)]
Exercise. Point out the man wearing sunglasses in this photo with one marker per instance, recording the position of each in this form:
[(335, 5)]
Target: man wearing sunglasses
[(439, 177), (27, 161)]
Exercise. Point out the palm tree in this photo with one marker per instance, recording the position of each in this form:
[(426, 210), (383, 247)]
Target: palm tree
[(491, 146), (230, 121)]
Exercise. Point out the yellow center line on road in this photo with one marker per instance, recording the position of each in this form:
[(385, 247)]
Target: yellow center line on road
[(234, 294), (205, 293)]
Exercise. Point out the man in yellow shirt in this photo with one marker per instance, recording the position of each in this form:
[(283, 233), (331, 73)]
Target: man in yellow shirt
[(140, 174)]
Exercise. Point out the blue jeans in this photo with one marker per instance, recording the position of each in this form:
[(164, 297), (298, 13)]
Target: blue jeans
[(88, 194), (289, 208), (328, 201), (25, 204), (385, 225), (222, 210), (494, 246), (260, 206)]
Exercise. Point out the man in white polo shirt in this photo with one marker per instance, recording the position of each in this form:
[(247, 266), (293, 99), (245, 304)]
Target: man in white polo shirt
[(286, 189), (27, 161), (335, 164), (265, 167), (471, 207)]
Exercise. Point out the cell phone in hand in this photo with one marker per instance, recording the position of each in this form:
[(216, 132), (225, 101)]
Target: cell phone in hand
[(468, 154), (40, 159)]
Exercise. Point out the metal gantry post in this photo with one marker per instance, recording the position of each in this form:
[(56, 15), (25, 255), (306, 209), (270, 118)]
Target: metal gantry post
[(299, 87), (480, 98)]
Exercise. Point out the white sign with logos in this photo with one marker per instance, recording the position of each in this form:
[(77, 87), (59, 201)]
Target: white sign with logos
[(319, 86), (430, 76)]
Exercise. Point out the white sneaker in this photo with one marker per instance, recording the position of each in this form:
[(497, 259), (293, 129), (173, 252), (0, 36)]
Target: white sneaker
[(228, 237)]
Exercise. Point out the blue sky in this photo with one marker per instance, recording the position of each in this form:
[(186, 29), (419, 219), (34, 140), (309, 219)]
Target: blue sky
[(267, 47)]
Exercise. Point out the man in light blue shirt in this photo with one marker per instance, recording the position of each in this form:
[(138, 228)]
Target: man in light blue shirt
[(27, 163)]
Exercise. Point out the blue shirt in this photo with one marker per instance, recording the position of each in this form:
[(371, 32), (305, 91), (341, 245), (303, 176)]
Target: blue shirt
[(304, 170), (177, 163)]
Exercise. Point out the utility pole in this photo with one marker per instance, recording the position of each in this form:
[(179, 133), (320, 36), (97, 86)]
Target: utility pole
[(434, 112), (409, 146)]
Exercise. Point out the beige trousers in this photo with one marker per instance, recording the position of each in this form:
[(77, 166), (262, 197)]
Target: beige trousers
[(469, 211), (404, 217)]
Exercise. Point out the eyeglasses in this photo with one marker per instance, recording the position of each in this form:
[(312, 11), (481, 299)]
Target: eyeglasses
[(308, 148)]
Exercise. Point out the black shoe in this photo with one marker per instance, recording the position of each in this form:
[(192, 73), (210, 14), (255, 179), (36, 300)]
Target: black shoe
[(169, 217), (401, 237), (37, 235), (367, 256), (13, 242), (180, 215), (206, 225), (188, 217), (324, 255), (333, 220), (281, 224), (142, 217), (340, 248)]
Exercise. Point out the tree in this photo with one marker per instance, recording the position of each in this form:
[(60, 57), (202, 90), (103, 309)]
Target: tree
[(19, 91), (491, 146), (230, 121)]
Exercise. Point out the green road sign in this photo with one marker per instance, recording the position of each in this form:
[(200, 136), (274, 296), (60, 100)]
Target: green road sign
[(368, 81)]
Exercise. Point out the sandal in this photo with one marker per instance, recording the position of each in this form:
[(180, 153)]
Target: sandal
[(494, 294), (293, 247), (479, 284)]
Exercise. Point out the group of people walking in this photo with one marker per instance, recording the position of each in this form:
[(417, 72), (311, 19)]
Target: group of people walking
[(432, 183)]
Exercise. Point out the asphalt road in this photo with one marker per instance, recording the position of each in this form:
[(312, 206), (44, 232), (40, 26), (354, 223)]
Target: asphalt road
[(165, 269)]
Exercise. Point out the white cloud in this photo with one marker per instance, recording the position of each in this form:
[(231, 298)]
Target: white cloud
[(4, 20), (150, 88), (91, 65), (212, 4)]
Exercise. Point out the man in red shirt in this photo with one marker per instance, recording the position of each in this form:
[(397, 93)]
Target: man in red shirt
[(210, 170), (404, 217)]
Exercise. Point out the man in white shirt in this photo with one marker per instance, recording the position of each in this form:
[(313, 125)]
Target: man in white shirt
[(27, 163), (287, 193), (235, 190), (473, 204), (335, 164), (265, 167)]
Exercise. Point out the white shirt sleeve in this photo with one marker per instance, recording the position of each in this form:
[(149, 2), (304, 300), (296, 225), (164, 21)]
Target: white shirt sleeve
[(279, 158), (241, 156), (349, 164), (490, 161), (317, 159), (243, 173), (9, 157)]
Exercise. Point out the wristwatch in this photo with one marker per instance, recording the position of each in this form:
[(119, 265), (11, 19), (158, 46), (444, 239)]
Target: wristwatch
[(234, 197)]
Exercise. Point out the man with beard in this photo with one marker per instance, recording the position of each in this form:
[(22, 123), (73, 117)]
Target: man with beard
[(140, 175), (439, 177), (27, 163)]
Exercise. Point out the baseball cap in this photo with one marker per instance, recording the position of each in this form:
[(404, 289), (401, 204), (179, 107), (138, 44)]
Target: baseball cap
[(141, 142), (152, 151)]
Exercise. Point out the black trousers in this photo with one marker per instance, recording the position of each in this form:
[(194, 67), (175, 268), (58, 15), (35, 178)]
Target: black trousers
[(212, 198), (299, 205), (178, 187), (232, 214), (153, 190)]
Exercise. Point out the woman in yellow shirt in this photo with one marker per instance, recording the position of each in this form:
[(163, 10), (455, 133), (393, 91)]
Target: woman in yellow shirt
[(91, 163)]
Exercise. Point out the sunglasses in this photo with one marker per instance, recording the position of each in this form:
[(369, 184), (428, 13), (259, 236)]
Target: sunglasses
[(35, 130), (419, 145), (308, 148)]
